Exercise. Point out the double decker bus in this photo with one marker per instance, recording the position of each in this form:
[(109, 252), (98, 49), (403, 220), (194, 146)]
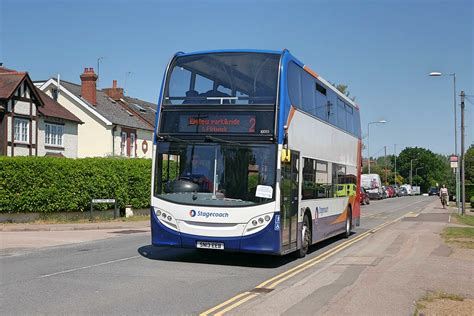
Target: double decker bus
[(253, 152)]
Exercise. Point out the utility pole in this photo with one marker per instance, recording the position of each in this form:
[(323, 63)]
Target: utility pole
[(395, 156), (463, 188), (411, 170), (385, 163)]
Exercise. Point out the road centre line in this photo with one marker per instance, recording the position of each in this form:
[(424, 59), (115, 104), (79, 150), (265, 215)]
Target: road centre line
[(273, 282), (87, 267)]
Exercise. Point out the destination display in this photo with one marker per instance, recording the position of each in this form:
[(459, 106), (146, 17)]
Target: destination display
[(255, 123), (217, 124)]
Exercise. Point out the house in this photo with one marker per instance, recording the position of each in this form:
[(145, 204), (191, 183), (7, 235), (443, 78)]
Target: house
[(114, 125), (32, 123)]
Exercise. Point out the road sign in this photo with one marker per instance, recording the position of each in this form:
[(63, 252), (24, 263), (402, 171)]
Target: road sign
[(96, 201), (103, 201), (454, 161)]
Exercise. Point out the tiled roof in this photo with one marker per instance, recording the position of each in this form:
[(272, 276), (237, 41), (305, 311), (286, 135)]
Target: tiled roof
[(145, 109), (6, 70), (110, 109), (52, 108), (9, 82)]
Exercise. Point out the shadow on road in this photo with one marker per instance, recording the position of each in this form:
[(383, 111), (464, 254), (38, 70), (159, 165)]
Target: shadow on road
[(217, 257)]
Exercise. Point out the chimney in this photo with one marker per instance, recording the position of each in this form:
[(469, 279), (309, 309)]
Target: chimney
[(88, 86), (114, 92)]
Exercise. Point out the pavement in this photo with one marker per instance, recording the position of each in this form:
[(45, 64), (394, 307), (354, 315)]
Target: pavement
[(20, 238), (383, 274)]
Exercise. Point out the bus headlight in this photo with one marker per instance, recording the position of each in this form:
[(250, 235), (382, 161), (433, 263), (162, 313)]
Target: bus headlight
[(165, 218), (257, 223)]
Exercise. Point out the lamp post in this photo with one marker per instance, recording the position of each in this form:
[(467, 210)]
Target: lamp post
[(368, 137), (438, 74), (395, 156), (416, 171), (411, 170)]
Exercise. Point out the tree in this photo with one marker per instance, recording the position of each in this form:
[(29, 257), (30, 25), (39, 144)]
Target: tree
[(343, 89), (435, 168), (469, 165)]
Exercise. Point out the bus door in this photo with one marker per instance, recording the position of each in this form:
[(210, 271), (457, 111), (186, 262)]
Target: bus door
[(289, 185)]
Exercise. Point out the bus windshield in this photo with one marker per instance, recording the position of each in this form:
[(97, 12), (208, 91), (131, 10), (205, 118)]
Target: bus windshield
[(223, 78), (216, 174)]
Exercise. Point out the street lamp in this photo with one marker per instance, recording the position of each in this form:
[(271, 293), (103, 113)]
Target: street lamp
[(368, 137), (416, 170), (439, 74), (395, 156), (411, 170)]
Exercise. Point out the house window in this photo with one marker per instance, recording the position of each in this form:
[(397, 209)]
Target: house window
[(132, 145), (53, 135), (123, 144), (128, 143), (22, 127)]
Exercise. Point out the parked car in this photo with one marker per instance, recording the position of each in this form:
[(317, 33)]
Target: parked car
[(433, 191), (403, 191), (384, 192), (391, 191), (408, 188), (397, 190), (364, 197)]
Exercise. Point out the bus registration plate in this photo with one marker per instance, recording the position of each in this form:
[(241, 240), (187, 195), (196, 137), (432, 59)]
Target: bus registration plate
[(210, 245)]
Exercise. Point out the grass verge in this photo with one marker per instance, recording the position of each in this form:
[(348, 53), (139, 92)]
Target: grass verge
[(461, 236), (466, 219), (430, 297)]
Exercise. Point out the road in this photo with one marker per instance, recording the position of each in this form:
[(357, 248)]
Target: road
[(126, 275)]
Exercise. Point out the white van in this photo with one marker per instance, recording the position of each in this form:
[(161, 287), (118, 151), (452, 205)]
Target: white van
[(373, 185), (408, 188)]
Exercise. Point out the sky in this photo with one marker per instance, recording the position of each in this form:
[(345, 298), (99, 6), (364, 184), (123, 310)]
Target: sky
[(383, 50)]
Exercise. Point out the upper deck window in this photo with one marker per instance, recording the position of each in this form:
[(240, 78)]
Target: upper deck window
[(223, 78)]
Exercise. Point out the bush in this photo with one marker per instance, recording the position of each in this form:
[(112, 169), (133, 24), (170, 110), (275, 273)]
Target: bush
[(469, 190), (472, 201), (48, 184)]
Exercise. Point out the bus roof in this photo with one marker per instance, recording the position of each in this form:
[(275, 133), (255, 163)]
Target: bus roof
[(261, 51), (276, 52)]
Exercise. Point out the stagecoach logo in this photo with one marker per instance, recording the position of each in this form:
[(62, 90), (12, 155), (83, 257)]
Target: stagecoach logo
[(194, 213)]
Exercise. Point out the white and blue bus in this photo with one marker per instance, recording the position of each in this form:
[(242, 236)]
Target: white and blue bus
[(253, 152)]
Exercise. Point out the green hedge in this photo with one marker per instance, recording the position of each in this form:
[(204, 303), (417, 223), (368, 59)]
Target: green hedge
[(47, 184), (469, 190)]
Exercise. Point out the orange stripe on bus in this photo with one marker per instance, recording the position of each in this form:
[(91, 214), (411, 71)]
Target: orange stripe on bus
[(310, 71), (290, 116), (342, 217)]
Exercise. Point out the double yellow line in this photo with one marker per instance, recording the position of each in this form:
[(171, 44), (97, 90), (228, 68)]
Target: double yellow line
[(273, 282)]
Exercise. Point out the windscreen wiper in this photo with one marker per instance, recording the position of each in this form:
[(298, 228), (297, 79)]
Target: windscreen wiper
[(217, 139)]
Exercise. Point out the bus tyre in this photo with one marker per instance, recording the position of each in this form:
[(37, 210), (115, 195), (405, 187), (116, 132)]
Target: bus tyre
[(305, 238), (348, 225)]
